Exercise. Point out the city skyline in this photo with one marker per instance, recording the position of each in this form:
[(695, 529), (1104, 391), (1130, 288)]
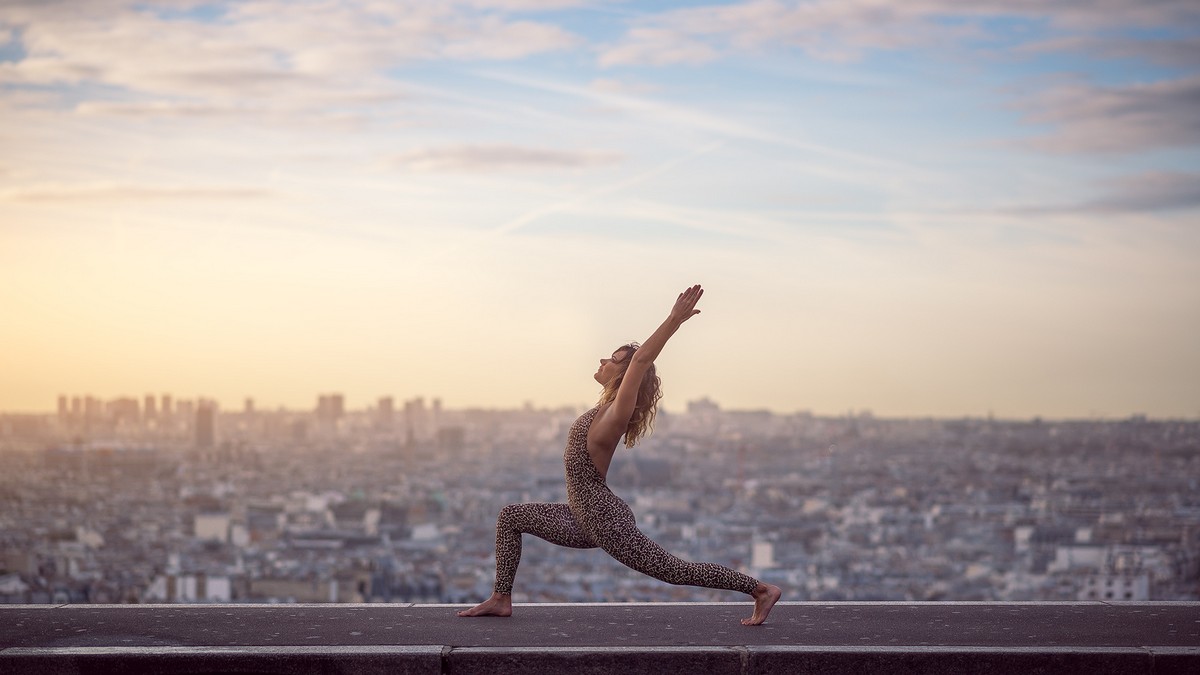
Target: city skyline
[(915, 209), (330, 506), (161, 405)]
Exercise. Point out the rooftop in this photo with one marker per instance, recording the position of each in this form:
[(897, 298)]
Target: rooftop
[(850, 637)]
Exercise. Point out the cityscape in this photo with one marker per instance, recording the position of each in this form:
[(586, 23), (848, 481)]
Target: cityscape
[(157, 499)]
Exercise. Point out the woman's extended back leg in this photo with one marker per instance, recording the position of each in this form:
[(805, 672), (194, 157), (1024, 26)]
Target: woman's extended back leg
[(620, 537)]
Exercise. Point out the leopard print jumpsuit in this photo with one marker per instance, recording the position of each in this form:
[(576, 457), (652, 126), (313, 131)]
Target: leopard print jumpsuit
[(595, 517)]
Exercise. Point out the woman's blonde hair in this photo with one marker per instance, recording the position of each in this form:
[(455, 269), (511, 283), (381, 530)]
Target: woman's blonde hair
[(641, 422)]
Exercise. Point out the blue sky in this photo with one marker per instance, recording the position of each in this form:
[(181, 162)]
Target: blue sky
[(914, 208)]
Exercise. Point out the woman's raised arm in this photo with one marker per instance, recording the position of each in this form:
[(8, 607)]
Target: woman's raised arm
[(616, 418)]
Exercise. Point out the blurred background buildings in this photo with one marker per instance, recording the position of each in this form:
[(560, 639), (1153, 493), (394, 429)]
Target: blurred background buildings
[(161, 499)]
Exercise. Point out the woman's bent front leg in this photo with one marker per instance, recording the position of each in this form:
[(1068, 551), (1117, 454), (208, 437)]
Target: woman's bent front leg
[(552, 522)]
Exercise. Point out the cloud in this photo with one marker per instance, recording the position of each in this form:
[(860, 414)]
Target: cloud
[(138, 109), (609, 85), (1177, 53), (499, 157), (826, 30), (608, 190), (1093, 14), (735, 224), (864, 167), (1085, 119), (1149, 192), (290, 53), (1152, 191), (1094, 119), (329, 102), (841, 30), (526, 5), (496, 39), (108, 192), (657, 47)]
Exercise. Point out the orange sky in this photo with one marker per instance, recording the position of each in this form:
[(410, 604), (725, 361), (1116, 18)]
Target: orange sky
[(206, 201)]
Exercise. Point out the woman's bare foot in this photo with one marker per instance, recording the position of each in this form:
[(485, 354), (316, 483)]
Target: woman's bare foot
[(765, 597), (501, 605)]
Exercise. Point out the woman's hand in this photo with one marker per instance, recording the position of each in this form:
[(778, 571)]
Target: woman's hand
[(685, 304), (610, 423)]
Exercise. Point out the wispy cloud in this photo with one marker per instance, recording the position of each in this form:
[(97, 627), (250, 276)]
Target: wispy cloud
[(500, 157), (329, 109), (1088, 118), (839, 30), (527, 5), (826, 30), (1085, 118), (658, 47), (266, 49), (1149, 192), (1183, 52), (622, 86), (139, 109), (736, 224), (110, 192), (678, 116), (601, 191)]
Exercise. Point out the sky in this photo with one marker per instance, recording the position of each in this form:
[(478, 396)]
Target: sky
[(917, 208)]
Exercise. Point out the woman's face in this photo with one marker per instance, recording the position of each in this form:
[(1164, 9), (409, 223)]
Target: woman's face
[(612, 366)]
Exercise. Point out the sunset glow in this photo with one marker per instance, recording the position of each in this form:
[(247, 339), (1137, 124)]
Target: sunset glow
[(912, 208)]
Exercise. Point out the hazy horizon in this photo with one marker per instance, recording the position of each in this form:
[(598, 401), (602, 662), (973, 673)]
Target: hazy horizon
[(368, 405), (925, 209)]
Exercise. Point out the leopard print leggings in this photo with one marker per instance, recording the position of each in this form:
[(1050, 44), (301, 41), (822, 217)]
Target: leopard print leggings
[(595, 517)]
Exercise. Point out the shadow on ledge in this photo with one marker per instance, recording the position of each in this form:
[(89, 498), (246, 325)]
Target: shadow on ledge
[(659, 638)]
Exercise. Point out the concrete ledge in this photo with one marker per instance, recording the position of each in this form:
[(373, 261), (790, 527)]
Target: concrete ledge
[(957, 660), (434, 660), (1176, 660), (417, 660), (825, 660), (598, 661), (650, 638)]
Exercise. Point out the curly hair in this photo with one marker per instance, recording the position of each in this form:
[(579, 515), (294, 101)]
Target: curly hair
[(641, 423)]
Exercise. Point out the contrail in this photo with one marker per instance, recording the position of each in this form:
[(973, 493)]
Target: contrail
[(566, 204), (526, 218), (696, 119)]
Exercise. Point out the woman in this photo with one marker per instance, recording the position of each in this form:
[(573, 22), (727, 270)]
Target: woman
[(594, 516)]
